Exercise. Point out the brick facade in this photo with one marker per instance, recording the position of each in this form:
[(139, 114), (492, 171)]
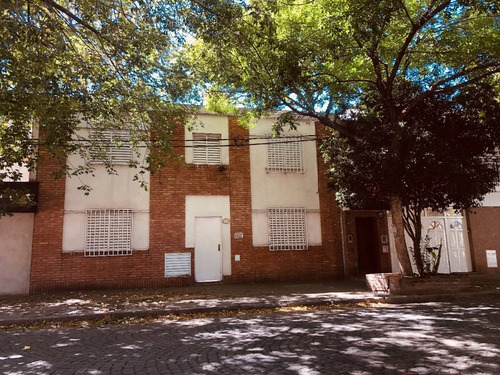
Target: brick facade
[(482, 237), (54, 270)]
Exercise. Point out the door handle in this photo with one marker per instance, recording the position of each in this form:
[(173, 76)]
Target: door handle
[(218, 246)]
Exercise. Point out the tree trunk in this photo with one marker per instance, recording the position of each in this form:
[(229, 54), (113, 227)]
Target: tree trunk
[(417, 250), (397, 219)]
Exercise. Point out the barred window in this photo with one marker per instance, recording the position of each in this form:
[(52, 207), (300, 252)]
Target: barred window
[(109, 232), (285, 154), (206, 148), (287, 229), (111, 146)]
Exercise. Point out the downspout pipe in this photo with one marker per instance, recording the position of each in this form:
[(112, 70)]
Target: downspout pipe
[(344, 255)]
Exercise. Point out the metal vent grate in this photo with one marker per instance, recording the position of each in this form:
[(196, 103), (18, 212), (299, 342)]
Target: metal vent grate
[(206, 148), (110, 146), (109, 232), (287, 229), (285, 154), (177, 264)]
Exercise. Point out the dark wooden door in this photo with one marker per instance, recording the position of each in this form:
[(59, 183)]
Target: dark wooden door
[(366, 235)]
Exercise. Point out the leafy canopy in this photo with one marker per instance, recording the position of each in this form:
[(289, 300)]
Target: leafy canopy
[(409, 90), (317, 57), (115, 65)]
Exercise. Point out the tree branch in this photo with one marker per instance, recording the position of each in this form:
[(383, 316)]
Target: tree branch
[(434, 89), (71, 15), (409, 38)]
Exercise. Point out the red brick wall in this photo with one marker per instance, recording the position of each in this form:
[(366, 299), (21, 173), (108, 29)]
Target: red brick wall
[(48, 223), (52, 269), (330, 217), (484, 236)]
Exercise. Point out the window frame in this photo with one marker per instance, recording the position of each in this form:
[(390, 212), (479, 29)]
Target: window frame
[(207, 148), (111, 151), (110, 233), (287, 229), (285, 154)]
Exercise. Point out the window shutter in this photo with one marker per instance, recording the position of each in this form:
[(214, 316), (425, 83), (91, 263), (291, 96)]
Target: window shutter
[(206, 149), (284, 154), (121, 152), (112, 146)]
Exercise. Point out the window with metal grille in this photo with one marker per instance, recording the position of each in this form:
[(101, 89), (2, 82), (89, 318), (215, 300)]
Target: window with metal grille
[(206, 148), (285, 154), (111, 146), (287, 229), (109, 232)]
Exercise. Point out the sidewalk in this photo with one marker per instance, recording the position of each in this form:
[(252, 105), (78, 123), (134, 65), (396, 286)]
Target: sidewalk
[(206, 298)]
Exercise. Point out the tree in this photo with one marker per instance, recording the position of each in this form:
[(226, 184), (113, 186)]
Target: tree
[(113, 64), (319, 58), (447, 157)]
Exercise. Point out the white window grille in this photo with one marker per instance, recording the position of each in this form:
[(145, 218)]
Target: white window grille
[(287, 229), (111, 146), (206, 148), (177, 264), (284, 154), (109, 232)]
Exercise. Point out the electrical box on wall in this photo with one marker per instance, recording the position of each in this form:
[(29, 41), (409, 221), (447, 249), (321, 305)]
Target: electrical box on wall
[(491, 258)]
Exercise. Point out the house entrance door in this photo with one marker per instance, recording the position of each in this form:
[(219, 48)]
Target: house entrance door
[(449, 232), (456, 245), (368, 257), (207, 249)]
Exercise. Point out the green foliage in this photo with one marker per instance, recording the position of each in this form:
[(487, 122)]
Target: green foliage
[(317, 57), (113, 65), (389, 78), (446, 157)]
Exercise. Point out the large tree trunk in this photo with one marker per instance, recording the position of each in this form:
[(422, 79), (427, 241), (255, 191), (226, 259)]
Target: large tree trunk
[(419, 262), (401, 250)]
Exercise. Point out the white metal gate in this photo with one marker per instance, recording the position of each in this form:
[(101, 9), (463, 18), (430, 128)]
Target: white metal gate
[(448, 230)]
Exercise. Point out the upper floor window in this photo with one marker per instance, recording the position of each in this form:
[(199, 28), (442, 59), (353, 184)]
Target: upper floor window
[(284, 154), (207, 148), (111, 146)]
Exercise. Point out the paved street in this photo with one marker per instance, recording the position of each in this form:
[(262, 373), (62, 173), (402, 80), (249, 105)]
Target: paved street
[(433, 338)]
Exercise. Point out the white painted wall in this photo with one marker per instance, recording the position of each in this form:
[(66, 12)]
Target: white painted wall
[(492, 199), (206, 123), (109, 191), (16, 237), (206, 206), (278, 189), (25, 174)]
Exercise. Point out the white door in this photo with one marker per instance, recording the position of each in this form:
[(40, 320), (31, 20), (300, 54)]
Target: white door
[(435, 228), (456, 245), (208, 249)]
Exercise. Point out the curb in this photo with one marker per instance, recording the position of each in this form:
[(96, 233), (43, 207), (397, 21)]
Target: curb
[(176, 310)]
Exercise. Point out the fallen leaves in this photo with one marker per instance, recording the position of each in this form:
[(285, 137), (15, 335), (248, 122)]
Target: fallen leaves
[(111, 320)]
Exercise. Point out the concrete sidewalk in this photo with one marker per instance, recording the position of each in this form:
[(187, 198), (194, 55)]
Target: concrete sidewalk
[(207, 298)]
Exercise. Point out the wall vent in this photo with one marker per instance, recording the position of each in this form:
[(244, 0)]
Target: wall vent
[(177, 264)]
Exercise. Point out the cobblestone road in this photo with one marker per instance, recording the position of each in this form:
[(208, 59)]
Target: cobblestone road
[(411, 339)]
